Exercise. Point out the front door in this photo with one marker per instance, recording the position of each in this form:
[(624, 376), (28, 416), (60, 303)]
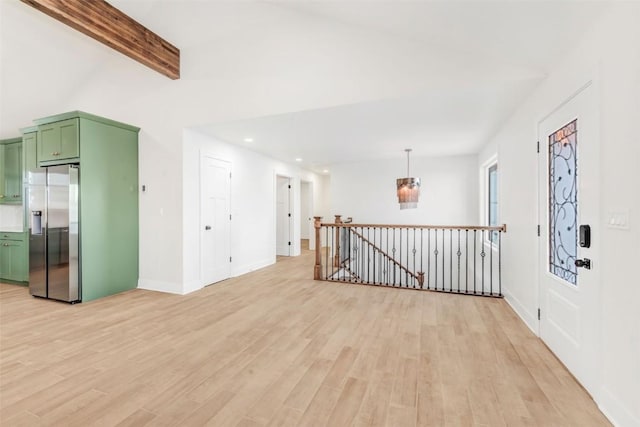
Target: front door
[(569, 197), (215, 220)]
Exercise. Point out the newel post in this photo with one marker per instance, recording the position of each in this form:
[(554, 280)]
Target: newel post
[(336, 257), (317, 269)]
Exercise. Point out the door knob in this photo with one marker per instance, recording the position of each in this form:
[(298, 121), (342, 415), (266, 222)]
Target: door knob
[(585, 263), (207, 227)]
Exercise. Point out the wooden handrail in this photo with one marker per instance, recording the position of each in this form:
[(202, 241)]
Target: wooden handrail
[(502, 228), (419, 277)]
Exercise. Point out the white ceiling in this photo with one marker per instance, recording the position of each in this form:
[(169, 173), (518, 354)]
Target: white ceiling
[(516, 42), (444, 122), (327, 81)]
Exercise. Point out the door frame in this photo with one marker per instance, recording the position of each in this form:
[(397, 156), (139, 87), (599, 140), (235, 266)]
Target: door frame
[(209, 154), (590, 78)]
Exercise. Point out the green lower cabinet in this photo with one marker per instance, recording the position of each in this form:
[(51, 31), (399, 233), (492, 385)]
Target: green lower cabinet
[(14, 258)]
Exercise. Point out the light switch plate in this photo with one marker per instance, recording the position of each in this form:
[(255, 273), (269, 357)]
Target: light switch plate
[(618, 219)]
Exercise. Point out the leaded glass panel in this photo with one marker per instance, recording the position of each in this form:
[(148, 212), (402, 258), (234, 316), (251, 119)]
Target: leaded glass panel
[(563, 202)]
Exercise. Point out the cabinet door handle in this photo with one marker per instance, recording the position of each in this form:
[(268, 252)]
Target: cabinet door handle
[(1, 196), (55, 153)]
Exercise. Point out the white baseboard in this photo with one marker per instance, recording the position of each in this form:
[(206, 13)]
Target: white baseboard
[(160, 286), (529, 319), (244, 269), (616, 412)]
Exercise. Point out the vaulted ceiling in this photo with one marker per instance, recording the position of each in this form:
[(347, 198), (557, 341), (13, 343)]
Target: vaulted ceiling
[(325, 81)]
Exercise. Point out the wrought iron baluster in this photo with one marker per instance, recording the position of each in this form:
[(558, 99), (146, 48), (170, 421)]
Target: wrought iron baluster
[(482, 255), (374, 255), (491, 263), (458, 254), (451, 260), (428, 258), (466, 260), (348, 258), (435, 252), (356, 254), (387, 274), (363, 248), (326, 254), (393, 251), (443, 259), (421, 255), (500, 262), (475, 271), (406, 271)]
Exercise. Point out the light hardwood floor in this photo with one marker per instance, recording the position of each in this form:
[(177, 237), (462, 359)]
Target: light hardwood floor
[(276, 348)]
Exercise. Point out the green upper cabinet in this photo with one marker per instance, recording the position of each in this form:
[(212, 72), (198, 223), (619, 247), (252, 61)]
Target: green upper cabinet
[(58, 142), (11, 173), (29, 153)]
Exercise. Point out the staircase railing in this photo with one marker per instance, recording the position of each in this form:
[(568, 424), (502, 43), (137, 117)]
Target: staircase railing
[(456, 259)]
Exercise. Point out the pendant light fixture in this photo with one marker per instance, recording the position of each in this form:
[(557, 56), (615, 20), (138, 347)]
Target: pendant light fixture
[(408, 188)]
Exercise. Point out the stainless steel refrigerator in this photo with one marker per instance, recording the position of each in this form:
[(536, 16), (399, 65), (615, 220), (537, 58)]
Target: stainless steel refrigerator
[(53, 209)]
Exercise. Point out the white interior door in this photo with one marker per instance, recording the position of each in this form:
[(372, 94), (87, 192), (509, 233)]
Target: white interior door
[(283, 216), (215, 220), (307, 230), (568, 197)]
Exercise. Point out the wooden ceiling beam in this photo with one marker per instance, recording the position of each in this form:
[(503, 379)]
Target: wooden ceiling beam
[(108, 25)]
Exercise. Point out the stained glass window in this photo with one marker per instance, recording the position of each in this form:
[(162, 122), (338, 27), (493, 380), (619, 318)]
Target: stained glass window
[(563, 202)]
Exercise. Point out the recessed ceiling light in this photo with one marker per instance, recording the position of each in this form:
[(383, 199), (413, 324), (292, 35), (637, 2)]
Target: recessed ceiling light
[(325, 171), (298, 159), (248, 140)]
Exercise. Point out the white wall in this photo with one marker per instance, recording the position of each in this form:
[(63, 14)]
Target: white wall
[(611, 51), (253, 206), (367, 191)]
